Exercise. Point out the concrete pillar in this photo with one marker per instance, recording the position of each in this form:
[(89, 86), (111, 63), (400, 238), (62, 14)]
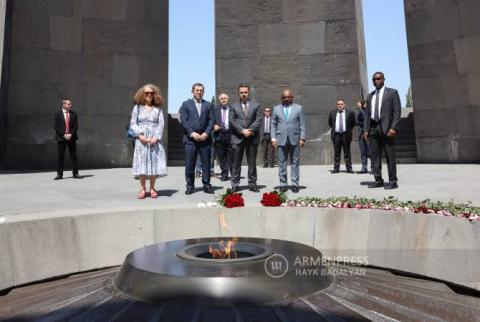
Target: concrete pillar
[(97, 52), (314, 47), (444, 50)]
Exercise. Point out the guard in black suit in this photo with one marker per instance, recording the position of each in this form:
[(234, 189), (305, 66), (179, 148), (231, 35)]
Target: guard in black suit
[(265, 133), (66, 127), (341, 122), (381, 127), (221, 136), (197, 117)]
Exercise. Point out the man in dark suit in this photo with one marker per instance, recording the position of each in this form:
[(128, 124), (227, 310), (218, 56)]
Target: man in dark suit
[(197, 117), (265, 133), (362, 142), (66, 127), (381, 128), (341, 122), (222, 136), (245, 123)]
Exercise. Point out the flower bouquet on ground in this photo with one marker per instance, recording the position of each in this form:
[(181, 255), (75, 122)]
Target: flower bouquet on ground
[(231, 199), (273, 199)]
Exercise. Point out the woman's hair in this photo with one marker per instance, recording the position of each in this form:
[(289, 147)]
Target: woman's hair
[(139, 96)]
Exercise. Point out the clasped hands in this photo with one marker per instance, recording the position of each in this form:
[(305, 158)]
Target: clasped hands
[(199, 137), (391, 134), (67, 136), (146, 140)]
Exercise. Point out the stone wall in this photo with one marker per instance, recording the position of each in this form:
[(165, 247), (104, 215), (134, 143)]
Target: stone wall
[(96, 52), (314, 47), (444, 49)]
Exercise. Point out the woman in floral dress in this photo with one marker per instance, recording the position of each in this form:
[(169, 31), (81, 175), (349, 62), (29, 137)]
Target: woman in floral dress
[(147, 124)]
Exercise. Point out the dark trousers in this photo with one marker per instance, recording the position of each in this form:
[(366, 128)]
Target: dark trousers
[(268, 150), (224, 151), (203, 150), (340, 141), (72, 149), (251, 151), (379, 142), (364, 151)]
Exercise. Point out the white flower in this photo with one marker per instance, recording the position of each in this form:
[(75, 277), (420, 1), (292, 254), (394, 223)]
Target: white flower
[(212, 204), (202, 205)]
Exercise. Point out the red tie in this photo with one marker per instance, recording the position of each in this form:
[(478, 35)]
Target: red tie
[(67, 122)]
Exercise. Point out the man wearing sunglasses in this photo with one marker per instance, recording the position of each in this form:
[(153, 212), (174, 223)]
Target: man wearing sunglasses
[(381, 128)]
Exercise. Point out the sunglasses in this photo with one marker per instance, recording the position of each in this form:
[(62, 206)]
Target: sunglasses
[(148, 93), (377, 78)]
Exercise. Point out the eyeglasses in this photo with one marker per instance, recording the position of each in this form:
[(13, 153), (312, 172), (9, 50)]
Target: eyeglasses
[(148, 93), (376, 78), (287, 96)]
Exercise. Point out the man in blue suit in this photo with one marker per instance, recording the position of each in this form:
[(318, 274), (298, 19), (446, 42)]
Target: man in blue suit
[(197, 118), (288, 134)]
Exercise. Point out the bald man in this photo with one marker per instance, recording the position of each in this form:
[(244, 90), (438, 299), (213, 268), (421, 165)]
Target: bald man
[(222, 136), (288, 135)]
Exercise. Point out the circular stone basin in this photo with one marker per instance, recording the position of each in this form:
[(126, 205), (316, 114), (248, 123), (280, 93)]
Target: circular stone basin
[(244, 252), (270, 270)]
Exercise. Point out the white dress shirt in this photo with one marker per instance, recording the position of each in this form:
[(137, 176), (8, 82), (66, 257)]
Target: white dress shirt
[(337, 123), (378, 95)]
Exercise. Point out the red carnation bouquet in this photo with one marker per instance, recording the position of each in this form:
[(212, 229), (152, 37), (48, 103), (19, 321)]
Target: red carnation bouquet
[(231, 199), (273, 199)]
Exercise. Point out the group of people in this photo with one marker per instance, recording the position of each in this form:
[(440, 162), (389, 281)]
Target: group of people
[(237, 129)]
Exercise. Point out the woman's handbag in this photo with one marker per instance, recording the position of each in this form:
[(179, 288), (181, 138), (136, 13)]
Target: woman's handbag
[(130, 133)]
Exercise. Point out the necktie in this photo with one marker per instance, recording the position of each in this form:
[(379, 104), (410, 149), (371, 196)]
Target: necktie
[(376, 113), (67, 122), (245, 108), (224, 117), (340, 122), (199, 107), (286, 111)]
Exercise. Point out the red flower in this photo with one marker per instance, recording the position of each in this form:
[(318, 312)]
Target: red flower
[(234, 200), (271, 199)]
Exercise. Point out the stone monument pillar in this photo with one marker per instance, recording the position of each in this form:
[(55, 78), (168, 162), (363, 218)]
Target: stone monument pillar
[(97, 53), (444, 50), (314, 47)]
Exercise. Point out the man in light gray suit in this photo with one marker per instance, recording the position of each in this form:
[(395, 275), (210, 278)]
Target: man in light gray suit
[(288, 134), (245, 123)]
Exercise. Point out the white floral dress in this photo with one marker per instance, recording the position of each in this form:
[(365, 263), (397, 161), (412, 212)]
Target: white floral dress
[(148, 160)]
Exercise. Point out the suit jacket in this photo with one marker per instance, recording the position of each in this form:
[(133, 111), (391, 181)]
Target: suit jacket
[(294, 128), (60, 128), (349, 123), (221, 134), (239, 122), (390, 110), (262, 127), (192, 122)]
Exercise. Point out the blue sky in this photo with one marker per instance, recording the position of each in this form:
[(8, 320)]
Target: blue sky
[(192, 46)]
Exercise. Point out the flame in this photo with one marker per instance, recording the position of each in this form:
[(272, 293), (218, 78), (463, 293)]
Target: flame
[(222, 249)]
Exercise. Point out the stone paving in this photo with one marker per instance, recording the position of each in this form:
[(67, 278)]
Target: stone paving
[(26, 196)]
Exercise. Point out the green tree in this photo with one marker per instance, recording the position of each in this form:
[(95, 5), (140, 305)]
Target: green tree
[(408, 97)]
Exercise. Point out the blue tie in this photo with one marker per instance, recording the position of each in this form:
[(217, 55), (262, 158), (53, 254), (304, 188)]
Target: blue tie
[(286, 111)]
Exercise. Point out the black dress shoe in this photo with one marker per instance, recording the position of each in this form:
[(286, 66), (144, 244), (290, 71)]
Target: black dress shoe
[(253, 187), (376, 184), (265, 165), (295, 189), (283, 189), (208, 189), (349, 171), (189, 191), (58, 177), (391, 185), (363, 171), (335, 171), (76, 176), (271, 165), (234, 189), (224, 179)]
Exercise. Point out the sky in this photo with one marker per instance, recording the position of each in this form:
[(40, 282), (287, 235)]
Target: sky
[(192, 47)]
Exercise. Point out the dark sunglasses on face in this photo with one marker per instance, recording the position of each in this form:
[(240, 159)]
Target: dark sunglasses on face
[(148, 93), (377, 78)]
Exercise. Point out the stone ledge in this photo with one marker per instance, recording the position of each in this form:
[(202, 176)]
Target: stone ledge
[(438, 247)]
